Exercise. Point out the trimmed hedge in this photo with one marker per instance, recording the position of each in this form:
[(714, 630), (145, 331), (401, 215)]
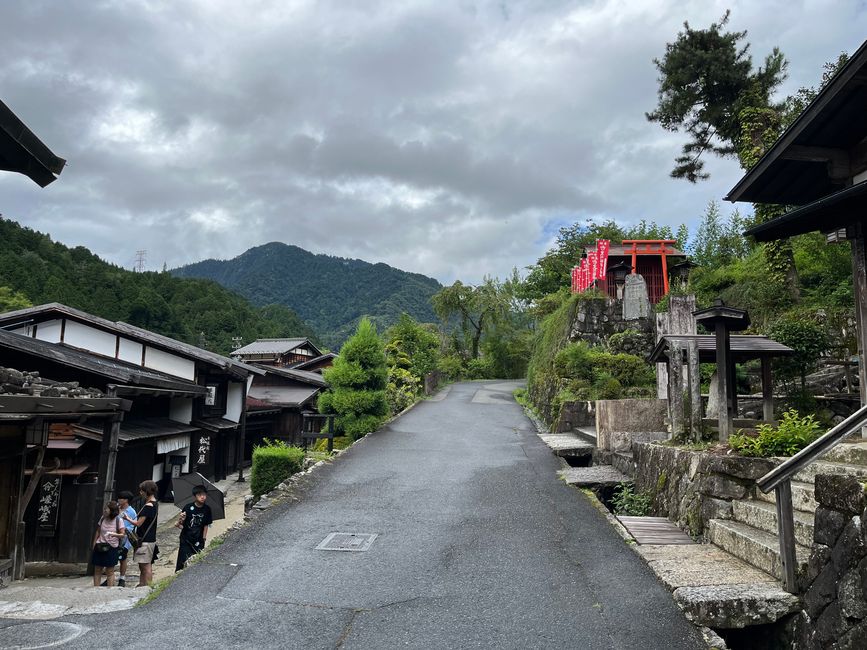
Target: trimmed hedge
[(273, 463)]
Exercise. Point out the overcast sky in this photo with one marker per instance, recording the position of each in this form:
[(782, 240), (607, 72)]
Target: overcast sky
[(447, 138)]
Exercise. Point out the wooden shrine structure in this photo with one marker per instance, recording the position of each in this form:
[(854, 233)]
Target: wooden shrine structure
[(820, 165)]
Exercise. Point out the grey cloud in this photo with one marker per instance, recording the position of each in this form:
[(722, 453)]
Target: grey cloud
[(438, 137)]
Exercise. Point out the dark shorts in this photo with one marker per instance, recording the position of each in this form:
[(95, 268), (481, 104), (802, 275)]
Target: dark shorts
[(105, 559)]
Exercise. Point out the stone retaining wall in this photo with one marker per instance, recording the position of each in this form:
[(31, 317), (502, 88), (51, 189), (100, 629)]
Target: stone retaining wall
[(579, 413), (622, 422), (835, 582), (692, 487)]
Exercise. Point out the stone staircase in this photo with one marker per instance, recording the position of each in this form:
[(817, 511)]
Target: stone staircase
[(751, 533)]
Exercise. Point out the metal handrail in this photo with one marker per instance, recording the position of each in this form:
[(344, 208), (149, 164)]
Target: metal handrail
[(814, 450), (780, 480)]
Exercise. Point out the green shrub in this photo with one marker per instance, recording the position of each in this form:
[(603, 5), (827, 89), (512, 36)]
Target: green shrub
[(480, 368), (791, 435), (357, 384), (452, 366), (273, 463), (630, 503), (402, 389)]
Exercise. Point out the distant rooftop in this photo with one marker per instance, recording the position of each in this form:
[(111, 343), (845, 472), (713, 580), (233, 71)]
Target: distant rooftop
[(273, 346)]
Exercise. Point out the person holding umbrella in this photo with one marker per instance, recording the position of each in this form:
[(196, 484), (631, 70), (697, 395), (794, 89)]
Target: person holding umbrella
[(193, 522)]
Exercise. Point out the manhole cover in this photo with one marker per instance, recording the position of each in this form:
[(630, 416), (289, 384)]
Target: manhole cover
[(44, 634), (347, 542)]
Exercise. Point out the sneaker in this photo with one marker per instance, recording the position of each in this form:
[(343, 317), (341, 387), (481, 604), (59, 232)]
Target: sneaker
[(121, 582), (104, 583)]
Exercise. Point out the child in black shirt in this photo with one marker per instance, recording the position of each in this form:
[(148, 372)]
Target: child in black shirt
[(193, 522)]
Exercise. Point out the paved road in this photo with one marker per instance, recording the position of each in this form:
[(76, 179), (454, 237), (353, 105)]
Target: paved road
[(478, 545)]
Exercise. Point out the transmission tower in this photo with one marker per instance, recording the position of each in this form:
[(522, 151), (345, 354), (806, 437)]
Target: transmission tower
[(140, 259)]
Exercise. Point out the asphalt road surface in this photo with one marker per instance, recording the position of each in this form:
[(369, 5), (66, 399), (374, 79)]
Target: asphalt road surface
[(478, 545)]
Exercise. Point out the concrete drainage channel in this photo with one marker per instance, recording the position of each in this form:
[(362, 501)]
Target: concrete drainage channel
[(735, 605)]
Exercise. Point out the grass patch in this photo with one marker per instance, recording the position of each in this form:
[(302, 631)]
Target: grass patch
[(156, 590)]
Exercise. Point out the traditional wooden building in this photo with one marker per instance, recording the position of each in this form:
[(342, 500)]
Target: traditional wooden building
[(278, 352), (820, 165), (188, 412), (292, 392), (316, 364), (45, 505)]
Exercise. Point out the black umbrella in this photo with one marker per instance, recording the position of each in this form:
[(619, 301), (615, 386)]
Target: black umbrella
[(183, 489)]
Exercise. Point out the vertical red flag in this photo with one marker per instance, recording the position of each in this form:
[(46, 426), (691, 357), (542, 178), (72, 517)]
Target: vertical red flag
[(574, 279), (584, 282), (602, 247), (592, 268)]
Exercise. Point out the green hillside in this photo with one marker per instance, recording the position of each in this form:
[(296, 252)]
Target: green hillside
[(197, 311), (330, 293)]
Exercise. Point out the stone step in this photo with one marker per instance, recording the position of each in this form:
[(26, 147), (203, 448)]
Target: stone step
[(850, 453), (808, 474), (567, 445), (763, 515), (802, 496), (716, 589), (587, 434), (604, 475), (754, 546)]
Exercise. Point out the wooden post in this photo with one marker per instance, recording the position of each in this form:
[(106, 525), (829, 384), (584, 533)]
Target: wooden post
[(243, 432), (859, 279), (694, 376), (330, 433), (107, 463), (786, 528), (767, 391), (723, 379), (675, 393)]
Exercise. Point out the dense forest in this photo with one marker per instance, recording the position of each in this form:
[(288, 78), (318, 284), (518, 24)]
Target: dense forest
[(36, 270), (330, 293)]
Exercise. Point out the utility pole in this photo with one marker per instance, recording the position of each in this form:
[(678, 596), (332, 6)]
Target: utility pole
[(140, 259)]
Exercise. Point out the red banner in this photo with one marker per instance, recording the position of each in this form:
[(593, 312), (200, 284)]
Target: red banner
[(592, 268), (574, 279), (602, 247), (585, 275)]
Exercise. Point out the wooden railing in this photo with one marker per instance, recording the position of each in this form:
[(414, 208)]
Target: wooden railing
[(311, 428), (780, 479)]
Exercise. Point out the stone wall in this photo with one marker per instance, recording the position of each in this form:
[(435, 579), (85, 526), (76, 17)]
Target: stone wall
[(691, 487), (578, 413), (598, 318), (835, 582), (620, 422)]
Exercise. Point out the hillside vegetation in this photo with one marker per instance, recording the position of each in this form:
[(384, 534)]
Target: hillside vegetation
[(36, 270), (330, 293)]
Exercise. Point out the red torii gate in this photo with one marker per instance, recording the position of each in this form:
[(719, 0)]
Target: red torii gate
[(651, 247)]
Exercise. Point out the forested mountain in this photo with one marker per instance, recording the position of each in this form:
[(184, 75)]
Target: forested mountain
[(330, 293), (201, 312)]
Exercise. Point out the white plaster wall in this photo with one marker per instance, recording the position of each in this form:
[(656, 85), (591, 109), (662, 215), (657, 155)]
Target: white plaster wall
[(88, 338), (234, 401), (170, 364), (157, 474), (181, 409), (49, 331), (129, 351), (24, 330)]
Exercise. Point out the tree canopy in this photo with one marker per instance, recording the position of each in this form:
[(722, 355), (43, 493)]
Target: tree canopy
[(706, 82)]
